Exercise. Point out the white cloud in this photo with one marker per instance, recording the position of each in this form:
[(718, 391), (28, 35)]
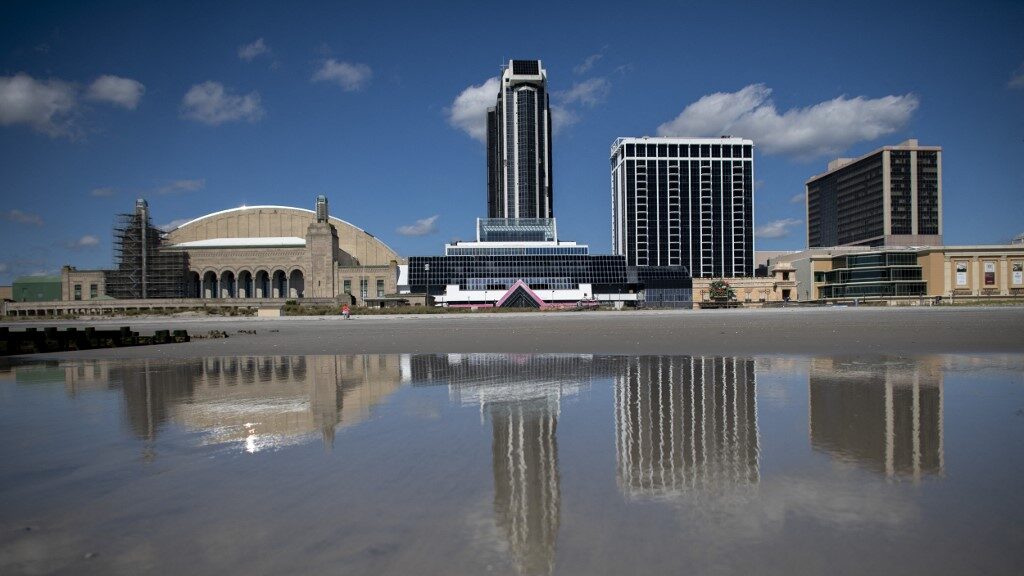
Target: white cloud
[(1017, 78), (182, 186), (825, 128), (421, 227), (797, 198), (87, 241), (587, 64), (20, 217), (252, 50), (468, 111), (123, 92), (589, 92), (210, 103), (47, 106), (104, 192), (173, 224), (349, 76), (562, 117), (777, 228)]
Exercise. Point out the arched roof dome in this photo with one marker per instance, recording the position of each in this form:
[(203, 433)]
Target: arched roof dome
[(280, 222)]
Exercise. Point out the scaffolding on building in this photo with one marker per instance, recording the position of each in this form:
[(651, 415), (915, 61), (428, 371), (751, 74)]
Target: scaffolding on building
[(142, 269)]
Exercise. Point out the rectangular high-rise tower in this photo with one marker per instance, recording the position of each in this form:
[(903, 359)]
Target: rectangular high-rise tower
[(889, 197), (684, 202), (519, 145)]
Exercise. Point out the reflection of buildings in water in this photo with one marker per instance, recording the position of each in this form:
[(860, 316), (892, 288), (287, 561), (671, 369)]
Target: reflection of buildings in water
[(886, 416), (273, 401), (527, 490), (263, 401), (684, 423), (489, 378), (521, 394)]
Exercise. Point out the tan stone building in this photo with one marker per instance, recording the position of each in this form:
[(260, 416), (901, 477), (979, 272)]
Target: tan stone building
[(750, 291), (974, 270), (846, 272), (246, 255), (280, 252)]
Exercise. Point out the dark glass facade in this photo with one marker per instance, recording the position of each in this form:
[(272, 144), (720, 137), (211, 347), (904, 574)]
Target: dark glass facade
[(519, 182), (606, 274), (847, 206), (873, 274), (684, 202), (431, 274)]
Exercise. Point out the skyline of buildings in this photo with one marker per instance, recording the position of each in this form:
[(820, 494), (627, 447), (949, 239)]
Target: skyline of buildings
[(308, 137), (682, 208)]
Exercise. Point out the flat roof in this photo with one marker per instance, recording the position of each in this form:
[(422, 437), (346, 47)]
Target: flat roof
[(679, 140), (910, 144)]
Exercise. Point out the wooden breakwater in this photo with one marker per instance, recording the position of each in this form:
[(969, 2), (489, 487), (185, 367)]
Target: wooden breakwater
[(35, 341)]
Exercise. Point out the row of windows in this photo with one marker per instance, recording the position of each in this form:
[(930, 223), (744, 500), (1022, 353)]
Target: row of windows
[(879, 289), (432, 274), (364, 287), (869, 275), (687, 150), (575, 250), (94, 291), (874, 259)]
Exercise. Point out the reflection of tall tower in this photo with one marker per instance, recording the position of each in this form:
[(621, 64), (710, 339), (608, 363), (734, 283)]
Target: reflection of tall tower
[(527, 493), (522, 396), (150, 389), (685, 423), (885, 416)]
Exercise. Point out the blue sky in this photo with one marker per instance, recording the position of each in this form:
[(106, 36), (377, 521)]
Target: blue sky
[(200, 107)]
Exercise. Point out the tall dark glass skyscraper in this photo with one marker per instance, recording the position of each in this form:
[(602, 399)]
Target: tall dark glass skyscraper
[(684, 202), (519, 145)]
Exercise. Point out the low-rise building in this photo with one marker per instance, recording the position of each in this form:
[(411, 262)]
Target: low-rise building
[(251, 253), (36, 289), (748, 291), (847, 272), (522, 263)]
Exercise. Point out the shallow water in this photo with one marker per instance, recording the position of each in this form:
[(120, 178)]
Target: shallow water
[(514, 464)]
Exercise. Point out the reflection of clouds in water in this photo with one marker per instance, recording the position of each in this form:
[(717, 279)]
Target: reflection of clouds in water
[(488, 540), (852, 503), (995, 363), (422, 408)]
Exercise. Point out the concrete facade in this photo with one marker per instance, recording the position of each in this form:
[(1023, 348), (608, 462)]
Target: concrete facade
[(889, 197), (748, 290), (82, 284), (278, 252), (974, 270), (266, 253)]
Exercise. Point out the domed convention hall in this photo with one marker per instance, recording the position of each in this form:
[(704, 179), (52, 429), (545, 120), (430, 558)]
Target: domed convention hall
[(250, 253)]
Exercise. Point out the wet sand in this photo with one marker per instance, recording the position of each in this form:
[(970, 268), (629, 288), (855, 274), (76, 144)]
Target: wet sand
[(787, 331)]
